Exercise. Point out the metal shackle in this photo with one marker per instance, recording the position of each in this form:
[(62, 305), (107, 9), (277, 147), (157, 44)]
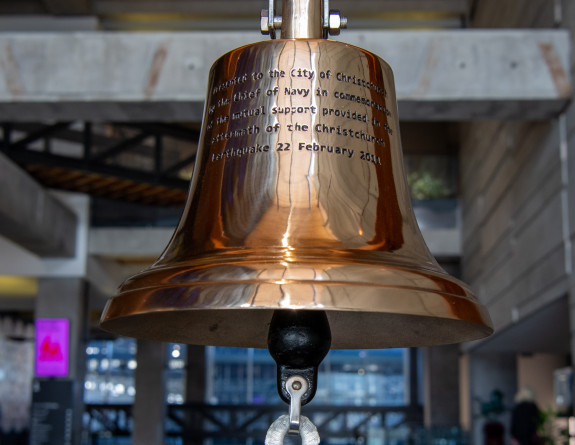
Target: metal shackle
[(278, 430)]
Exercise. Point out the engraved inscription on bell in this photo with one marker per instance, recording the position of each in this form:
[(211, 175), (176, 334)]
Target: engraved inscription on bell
[(291, 129), (299, 109)]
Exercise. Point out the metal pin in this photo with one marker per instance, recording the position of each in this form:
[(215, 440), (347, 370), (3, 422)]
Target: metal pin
[(296, 387)]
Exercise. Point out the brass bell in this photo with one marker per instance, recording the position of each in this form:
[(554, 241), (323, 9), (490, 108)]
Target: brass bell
[(298, 201)]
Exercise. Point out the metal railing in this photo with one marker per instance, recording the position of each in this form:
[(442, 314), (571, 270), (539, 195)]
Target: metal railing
[(198, 423)]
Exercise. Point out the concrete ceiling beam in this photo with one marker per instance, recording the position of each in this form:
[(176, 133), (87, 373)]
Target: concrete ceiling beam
[(31, 217), (440, 75)]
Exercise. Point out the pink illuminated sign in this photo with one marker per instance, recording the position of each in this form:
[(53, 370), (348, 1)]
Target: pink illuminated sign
[(52, 347)]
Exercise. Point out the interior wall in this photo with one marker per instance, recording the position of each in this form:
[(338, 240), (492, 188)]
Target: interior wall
[(535, 371), (518, 209), (514, 251), (518, 190)]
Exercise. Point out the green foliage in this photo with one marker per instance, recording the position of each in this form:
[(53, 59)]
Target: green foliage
[(548, 433), (424, 185)]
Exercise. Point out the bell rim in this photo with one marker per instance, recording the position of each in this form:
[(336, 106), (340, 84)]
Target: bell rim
[(185, 306), (392, 332)]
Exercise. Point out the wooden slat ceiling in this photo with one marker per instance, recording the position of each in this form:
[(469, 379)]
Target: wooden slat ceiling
[(105, 186)]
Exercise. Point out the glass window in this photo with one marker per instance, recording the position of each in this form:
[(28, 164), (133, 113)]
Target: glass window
[(347, 377), (110, 371)]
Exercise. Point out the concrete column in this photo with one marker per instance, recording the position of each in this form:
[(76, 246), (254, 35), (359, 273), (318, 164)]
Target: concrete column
[(571, 296), (195, 390), (489, 372), (413, 392), (441, 386), (150, 400), (196, 374), (66, 298)]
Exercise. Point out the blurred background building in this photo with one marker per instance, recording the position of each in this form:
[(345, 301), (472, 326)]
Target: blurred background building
[(100, 110)]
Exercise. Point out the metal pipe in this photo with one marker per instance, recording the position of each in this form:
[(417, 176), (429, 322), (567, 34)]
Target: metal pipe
[(301, 19)]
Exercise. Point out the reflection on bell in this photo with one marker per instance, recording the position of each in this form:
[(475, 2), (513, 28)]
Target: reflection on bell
[(298, 201)]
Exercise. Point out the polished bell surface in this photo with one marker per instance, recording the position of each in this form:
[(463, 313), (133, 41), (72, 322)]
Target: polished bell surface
[(298, 201)]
